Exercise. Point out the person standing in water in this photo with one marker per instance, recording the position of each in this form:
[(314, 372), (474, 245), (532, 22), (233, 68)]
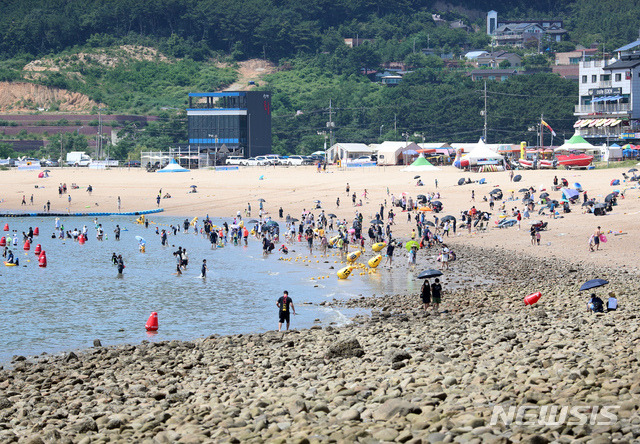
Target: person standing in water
[(120, 264), (204, 269), (117, 232)]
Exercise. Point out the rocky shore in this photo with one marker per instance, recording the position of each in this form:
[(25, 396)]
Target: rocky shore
[(400, 375)]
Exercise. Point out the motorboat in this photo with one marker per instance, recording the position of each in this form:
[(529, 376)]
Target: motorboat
[(574, 160), (539, 164)]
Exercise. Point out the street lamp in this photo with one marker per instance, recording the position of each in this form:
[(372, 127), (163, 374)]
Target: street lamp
[(381, 126)]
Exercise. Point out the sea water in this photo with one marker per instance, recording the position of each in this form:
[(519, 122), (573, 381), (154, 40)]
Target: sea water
[(80, 297)]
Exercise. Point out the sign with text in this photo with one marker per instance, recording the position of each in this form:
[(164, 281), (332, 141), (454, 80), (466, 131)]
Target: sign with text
[(604, 91)]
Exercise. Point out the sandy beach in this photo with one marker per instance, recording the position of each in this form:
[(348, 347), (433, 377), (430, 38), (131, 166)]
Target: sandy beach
[(224, 193)]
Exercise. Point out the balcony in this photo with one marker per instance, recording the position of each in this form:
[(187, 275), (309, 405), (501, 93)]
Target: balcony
[(602, 108)]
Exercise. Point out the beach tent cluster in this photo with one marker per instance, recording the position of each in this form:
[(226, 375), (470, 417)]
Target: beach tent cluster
[(389, 152)]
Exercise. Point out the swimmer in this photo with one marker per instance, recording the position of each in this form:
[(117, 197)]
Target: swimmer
[(114, 259)]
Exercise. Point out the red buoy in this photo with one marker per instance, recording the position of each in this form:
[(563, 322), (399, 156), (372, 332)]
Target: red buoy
[(27, 245), (38, 250), (6, 227), (3, 241), (36, 231), (81, 239), (532, 298), (42, 259), (152, 322)]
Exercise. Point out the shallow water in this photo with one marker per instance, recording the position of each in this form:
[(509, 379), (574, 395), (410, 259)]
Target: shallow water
[(79, 296)]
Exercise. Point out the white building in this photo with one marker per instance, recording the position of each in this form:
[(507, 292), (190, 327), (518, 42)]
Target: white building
[(608, 107), (348, 151)]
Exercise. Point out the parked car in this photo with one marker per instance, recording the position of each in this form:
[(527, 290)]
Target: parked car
[(132, 164), (234, 160), (365, 159), (294, 160), (49, 163), (275, 159), (258, 161)]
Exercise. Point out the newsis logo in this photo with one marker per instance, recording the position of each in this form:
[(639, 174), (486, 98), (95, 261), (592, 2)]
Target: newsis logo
[(553, 415)]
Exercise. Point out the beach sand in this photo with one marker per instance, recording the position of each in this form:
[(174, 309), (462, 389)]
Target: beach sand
[(224, 193)]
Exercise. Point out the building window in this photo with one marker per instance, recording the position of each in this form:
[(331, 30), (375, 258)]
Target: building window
[(618, 77), (584, 79), (605, 77), (594, 78)]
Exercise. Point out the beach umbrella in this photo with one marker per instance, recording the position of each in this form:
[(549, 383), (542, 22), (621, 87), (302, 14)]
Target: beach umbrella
[(517, 178), (141, 240), (588, 203), (261, 200), (317, 201), (436, 203), (377, 222), (292, 220), (331, 215), (409, 245), (252, 221), (416, 177), (421, 197), (610, 197), (424, 209), (447, 218), (194, 186), (272, 223), (600, 205), (593, 283), (495, 191), (429, 223), (428, 274), (523, 190), (632, 170), (543, 195), (48, 171), (461, 181), (568, 193)]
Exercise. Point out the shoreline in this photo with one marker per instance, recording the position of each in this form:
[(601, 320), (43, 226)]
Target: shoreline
[(400, 374)]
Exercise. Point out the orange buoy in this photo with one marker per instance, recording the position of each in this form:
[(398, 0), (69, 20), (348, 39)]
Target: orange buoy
[(27, 245), (36, 231), (38, 250), (81, 239), (3, 241), (532, 298), (6, 227), (152, 322)]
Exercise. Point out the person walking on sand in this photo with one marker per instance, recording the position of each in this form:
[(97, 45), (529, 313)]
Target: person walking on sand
[(436, 183), (24, 200), (596, 238), (473, 195), (347, 188), (425, 294), (31, 200), (118, 204), (284, 303), (158, 200)]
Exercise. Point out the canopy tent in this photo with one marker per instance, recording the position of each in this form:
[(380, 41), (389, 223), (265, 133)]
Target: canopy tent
[(395, 153), (173, 167), (421, 164), (345, 151), (482, 155), (469, 147), (577, 143)]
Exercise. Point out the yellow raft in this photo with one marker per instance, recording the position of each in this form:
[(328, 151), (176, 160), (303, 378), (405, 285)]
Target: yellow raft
[(333, 240), (379, 246), (344, 273), (375, 261)]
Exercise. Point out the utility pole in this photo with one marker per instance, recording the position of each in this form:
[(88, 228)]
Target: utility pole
[(541, 135), (485, 112), (395, 124), (330, 124)]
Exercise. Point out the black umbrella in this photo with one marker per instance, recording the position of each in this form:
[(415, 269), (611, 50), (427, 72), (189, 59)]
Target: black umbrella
[(523, 190), (461, 181), (517, 178), (593, 283), (541, 210), (422, 197), (436, 203), (600, 205), (543, 195), (416, 177), (292, 220), (48, 171), (377, 222), (272, 223), (331, 215), (261, 200), (610, 197), (194, 186), (495, 191), (428, 274), (446, 218), (633, 170), (588, 203), (431, 224), (252, 221)]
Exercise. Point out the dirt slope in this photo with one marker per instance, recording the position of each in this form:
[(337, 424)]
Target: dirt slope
[(251, 70), (28, 97)]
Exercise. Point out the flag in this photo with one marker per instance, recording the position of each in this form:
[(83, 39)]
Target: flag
[(550, 129)]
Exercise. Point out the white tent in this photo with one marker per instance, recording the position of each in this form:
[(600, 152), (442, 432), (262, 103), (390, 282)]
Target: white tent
[(173, 167), (345, 151), (469, 147), (395, 153), (481, 155)]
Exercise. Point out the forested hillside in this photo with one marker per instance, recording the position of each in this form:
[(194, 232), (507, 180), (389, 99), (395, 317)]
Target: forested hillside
[(195, 44)]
